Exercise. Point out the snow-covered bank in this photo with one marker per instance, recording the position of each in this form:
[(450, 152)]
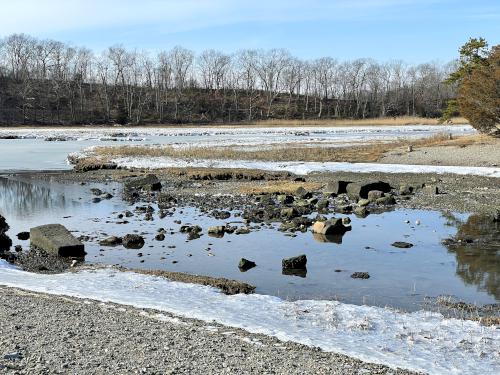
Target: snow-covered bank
[(420, 341), (302, 168)]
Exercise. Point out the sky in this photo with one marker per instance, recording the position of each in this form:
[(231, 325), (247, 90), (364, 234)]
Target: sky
[(411, 30)]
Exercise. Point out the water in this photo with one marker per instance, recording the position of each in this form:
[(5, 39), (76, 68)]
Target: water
[(33, 152), (399, 278)]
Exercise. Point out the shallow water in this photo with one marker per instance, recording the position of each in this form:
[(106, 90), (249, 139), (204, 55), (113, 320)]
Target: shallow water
[(400, 278), (33, 152)]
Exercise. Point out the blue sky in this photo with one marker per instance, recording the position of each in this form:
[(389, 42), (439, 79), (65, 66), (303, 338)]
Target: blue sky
[(411, 30)]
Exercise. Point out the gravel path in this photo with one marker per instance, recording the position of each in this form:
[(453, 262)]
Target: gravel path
[(43, 334), (479, 155)]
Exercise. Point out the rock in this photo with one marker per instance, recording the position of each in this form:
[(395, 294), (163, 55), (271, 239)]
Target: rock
[(217, 230), (285, 199), (56, 239), (160, 237), (361, 190), (430, 190), (221, 215), (335, 188), (303, 193), (96, 191), (190, 229), (289, 213), (405, 190), (133, 241), (402, 245), (373, 195), (23, 236), (496, 216), (323, 204), (107, 196), (147, 183), (111, 241), (243, 230), (363, 202), (344, 209), (386, 201), (361, 211), (360, 275), (329, 227), (298, 262), (246, 264)]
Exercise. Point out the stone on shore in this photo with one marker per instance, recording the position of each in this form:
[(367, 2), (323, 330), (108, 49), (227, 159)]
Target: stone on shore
[(56, 239), (111, 241), (147, 183), (361, 190)]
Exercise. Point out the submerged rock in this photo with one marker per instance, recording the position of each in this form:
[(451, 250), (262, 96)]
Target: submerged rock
[(111, 241), (360, 275), (402, 245)]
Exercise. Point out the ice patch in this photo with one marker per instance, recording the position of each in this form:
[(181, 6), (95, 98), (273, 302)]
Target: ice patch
[(420, 341)]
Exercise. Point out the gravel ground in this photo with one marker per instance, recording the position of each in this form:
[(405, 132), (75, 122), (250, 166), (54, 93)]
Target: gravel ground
[(44, 334), (478, 155)]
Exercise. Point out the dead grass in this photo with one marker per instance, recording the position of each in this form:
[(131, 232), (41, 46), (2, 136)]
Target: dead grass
[(355, 154), (278, 187)]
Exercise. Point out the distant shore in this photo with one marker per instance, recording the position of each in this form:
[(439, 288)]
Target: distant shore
[(387, 121)]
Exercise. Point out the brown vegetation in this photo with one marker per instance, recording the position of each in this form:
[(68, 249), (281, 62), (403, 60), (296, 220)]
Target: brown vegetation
[(366, 153)]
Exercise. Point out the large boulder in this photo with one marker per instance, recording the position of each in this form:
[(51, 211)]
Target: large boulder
[(336, 187), (358, 190), (147, 183), (56, 239)]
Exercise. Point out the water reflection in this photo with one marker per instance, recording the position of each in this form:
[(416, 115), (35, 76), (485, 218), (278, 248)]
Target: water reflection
[(20, 198), (477, 250)]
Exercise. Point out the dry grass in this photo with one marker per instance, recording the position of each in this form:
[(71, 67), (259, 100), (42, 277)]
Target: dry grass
[(278, 187), (355, 154)]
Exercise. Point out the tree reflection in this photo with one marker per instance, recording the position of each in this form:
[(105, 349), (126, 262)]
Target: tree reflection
[(477, 249)]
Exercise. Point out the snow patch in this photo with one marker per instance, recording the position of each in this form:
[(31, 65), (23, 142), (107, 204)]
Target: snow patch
[(420, 341), (302, 168)]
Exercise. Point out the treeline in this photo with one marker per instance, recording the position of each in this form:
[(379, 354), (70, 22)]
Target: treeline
[(49, 82)]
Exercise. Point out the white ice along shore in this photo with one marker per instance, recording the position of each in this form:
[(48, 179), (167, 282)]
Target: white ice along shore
[(420, 341), (302, 168)]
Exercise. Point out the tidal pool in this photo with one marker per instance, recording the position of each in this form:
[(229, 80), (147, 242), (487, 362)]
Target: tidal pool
[(400, 278)]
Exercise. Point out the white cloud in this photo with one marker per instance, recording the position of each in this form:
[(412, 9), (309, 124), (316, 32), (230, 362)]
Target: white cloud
[(52, 16)]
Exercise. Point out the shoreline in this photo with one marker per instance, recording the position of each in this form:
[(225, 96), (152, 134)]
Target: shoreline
[(146, 341)]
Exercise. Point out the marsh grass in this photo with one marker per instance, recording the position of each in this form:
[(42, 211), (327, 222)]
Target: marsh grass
[(287, 152)]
